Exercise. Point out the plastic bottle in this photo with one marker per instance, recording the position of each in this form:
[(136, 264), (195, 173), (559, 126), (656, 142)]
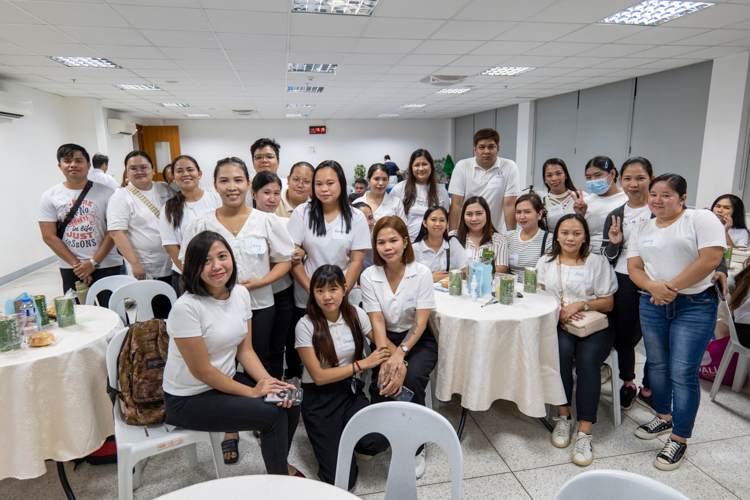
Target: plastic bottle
[(474, 289), (27, 317)]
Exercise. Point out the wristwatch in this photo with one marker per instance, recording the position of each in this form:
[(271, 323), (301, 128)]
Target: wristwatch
[(404, 348), (585, 306), (95, 264)]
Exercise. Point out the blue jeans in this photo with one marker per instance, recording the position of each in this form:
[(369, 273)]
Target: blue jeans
[(676, 336)]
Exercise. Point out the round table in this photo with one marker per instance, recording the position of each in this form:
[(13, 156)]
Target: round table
[(260, 487), (498, 352), (54, 399)]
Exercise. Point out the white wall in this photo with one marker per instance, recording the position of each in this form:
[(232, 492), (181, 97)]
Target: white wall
[(349, 142), (118, 146)]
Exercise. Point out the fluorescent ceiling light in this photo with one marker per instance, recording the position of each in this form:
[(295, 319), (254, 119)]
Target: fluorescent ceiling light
[(304, 89), (505, 71), (135, 86), (312, 68), (413, 105), (175, 105), (300, 105), (84, 62), (653, 12), (387, 115), (297, 115), (243, 112), (350, 7), (196, 115), (453, 91)]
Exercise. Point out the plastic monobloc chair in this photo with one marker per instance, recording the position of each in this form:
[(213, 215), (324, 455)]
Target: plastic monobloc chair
[(110, 283), (407, 426), (142, 292), (734, 346), (613, 362), (615, 485), (137, 442)]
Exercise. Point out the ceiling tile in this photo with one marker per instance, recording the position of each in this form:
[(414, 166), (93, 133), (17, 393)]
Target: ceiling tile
[(256, 43), (164, 18), (561, 49), (718, 16), (32, 33), (184, 39), (667, 51), (602, 33), (712, 52), (135, 64), (10, 14), (380, 27), (15, 49), (471, 30), (715, 37), (615, 50), (505, 48), (256, 23), (195, 54), (385, 45), (321, 43), (312, 25), (110, 36), (255, 56), (586, 11), (23, 60), (670, 63), (524, 60), (428, 60), (661, 35), (745, 42), (350, 69), (59, 49), (435, 9), (412, 70), (220, 65), (502, 10), (625, 63), (538, 32), (75, 14), (579, 62), (371, 58), (446, 47)]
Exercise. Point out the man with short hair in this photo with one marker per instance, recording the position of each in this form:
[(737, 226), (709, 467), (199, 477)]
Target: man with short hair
[(86, 252), (265, 154), (392, 167), (496, 179), (98, 174), (360, 188)]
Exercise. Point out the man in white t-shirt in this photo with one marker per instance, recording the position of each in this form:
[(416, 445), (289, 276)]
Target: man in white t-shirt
[(86, 252), (98, 174), (495, 179)]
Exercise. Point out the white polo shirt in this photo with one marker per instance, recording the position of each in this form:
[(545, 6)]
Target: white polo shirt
[(390, 206), (98, 175), (416, 213), (499, 181), (437, 261), (399, 309)]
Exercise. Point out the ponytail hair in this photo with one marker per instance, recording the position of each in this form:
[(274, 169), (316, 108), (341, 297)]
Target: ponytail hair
[(175, 206)]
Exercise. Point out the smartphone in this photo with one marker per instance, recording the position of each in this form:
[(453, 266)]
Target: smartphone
[(294, 394), (406, 394)]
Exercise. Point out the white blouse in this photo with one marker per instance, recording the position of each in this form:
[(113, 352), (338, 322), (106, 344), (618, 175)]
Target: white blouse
[(437, 261), (595, 279), (498, 244), (389, 206), (420, 206)]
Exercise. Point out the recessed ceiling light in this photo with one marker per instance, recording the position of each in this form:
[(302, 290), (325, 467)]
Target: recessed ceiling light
[(196, 115), (505, 71), (653, 12), (312, 68), (304, 89), (84, 62), (300, 105), (453, 91), (135, 86), (413, 105), (296, 115), (350, 7), (243, 112), (387, 115), (175, 105)]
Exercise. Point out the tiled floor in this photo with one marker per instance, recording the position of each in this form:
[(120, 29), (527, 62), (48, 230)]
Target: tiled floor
[(506, 455)]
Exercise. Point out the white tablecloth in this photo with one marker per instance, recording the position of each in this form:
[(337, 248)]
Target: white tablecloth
[(261, 487), (498, 352), (53, 400)]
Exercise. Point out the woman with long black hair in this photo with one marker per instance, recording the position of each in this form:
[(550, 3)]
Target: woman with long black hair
[(435, 249), (377, 198), (731, 212), (559, 200)]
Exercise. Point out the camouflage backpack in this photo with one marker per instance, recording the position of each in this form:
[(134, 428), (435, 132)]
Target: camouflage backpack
[(140, 368)]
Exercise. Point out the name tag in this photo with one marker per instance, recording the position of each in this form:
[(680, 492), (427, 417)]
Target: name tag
[(255, 246), (410, 301), (649, 241), (555, 210), (497, 181), (578, 275), (347, 342), (513, 259), (338, 234)]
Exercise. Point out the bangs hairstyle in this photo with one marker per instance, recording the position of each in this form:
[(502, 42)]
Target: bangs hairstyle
[(487, 133), (489, 227), (328, 275), (228, 160), (604, 163), (423, 230), (68, 150), (136, 153), (638, 160), (317, 221), (537, 205), (195, 260), (583, 252), (175, 206), (265, 142), (410, 188), (738, 210), (263, 179), (558, 161), (375, 167), (394, 222)]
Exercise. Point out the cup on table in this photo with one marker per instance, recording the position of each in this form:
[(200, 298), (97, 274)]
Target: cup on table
[(65, 310)]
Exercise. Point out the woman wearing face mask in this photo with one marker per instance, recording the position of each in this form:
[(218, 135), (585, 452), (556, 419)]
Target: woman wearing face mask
[(420, 191), (476, 232), (673, 259), (559, 200), (188, 204), (299, 187), (381, 203), (527, 244), (731, 212), (601, 180), (435, 249)]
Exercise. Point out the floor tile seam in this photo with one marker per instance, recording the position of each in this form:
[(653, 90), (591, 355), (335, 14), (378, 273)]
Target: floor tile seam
[(599, 458), (712, 478), (489, 440)]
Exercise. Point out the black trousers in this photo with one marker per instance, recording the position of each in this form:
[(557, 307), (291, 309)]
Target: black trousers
[(69, 279), (326, 410), (176, 283), (627, 324), (743, 333), (215, 411), (588, 353), (160, 304), (262, 322), (284, 302), (422, 359), (293, 361)]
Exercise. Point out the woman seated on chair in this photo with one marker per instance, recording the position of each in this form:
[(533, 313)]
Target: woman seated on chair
[(330, 340), (209, 327), (476, 232), (581, 281), (435, 249), (740, 305)]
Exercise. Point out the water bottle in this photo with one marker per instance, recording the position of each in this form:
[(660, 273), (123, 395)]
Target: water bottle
[(474, 289), (27, 317)]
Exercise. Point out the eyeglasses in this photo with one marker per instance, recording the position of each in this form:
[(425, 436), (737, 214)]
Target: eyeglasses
[(264, 157), (297, 181), (142, 170), (491, 147)]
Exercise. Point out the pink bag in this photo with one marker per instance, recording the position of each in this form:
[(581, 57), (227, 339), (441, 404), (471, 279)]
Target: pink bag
[(712, 359)]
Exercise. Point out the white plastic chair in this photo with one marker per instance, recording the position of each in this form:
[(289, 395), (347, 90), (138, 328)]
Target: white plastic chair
[(616, 485), (135, 442), (142, 292), (613, 362), (110, 283), (355, 297), (743, 360), (407, 426)]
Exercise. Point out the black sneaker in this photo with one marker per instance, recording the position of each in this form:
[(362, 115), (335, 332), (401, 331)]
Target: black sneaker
[(654, 429), (671, 455), (646, 401), (627, 396)]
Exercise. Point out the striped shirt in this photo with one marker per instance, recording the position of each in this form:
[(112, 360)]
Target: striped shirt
[(497, 245), (522, 254)]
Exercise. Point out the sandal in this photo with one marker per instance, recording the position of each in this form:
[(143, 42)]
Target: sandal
[(231, 446)]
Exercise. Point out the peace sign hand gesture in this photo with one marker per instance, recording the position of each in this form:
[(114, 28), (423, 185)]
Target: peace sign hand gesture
[(580, 207), (615, 234)]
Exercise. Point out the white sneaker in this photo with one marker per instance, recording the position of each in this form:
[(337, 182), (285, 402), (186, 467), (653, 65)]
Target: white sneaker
[(421, 466), (605, 373), (561, 434), (583, 454)]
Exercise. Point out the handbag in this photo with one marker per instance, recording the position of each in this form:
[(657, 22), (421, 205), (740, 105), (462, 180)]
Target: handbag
[(62, 226), (592, 322), (145, 201)]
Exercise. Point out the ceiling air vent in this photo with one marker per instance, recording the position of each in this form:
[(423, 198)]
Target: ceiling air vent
[(443, 80), (243, 112)]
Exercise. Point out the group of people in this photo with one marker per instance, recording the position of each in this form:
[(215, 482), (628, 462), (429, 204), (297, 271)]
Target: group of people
[(264, 267)]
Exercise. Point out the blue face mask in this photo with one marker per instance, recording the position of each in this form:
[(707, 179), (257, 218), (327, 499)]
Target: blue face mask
[(598, 186)]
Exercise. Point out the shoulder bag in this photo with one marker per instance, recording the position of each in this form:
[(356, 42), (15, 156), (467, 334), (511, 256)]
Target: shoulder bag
[(145, 201), (592, 322), (62, 226)]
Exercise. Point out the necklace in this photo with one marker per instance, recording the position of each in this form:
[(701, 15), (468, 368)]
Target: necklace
[(226, 225)]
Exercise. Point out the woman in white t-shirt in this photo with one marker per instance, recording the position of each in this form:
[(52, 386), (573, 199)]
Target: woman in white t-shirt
[(189, 203), (581, 281), (331, 341), (398, 294), (731, 212), (559, 200), (210, 330), (381, 203), (531, 240), (740, 305), (330, 231), (420, 191), (297, 190), (476, 232), (435, 249), (672, 258)]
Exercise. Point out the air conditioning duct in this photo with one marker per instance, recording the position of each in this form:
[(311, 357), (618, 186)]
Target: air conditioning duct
[(12, 108), (116, 127)]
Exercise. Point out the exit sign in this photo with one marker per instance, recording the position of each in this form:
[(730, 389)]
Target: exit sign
[(318, 130)]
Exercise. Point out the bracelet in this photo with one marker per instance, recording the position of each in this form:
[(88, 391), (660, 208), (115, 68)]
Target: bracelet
[(358, 367)]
